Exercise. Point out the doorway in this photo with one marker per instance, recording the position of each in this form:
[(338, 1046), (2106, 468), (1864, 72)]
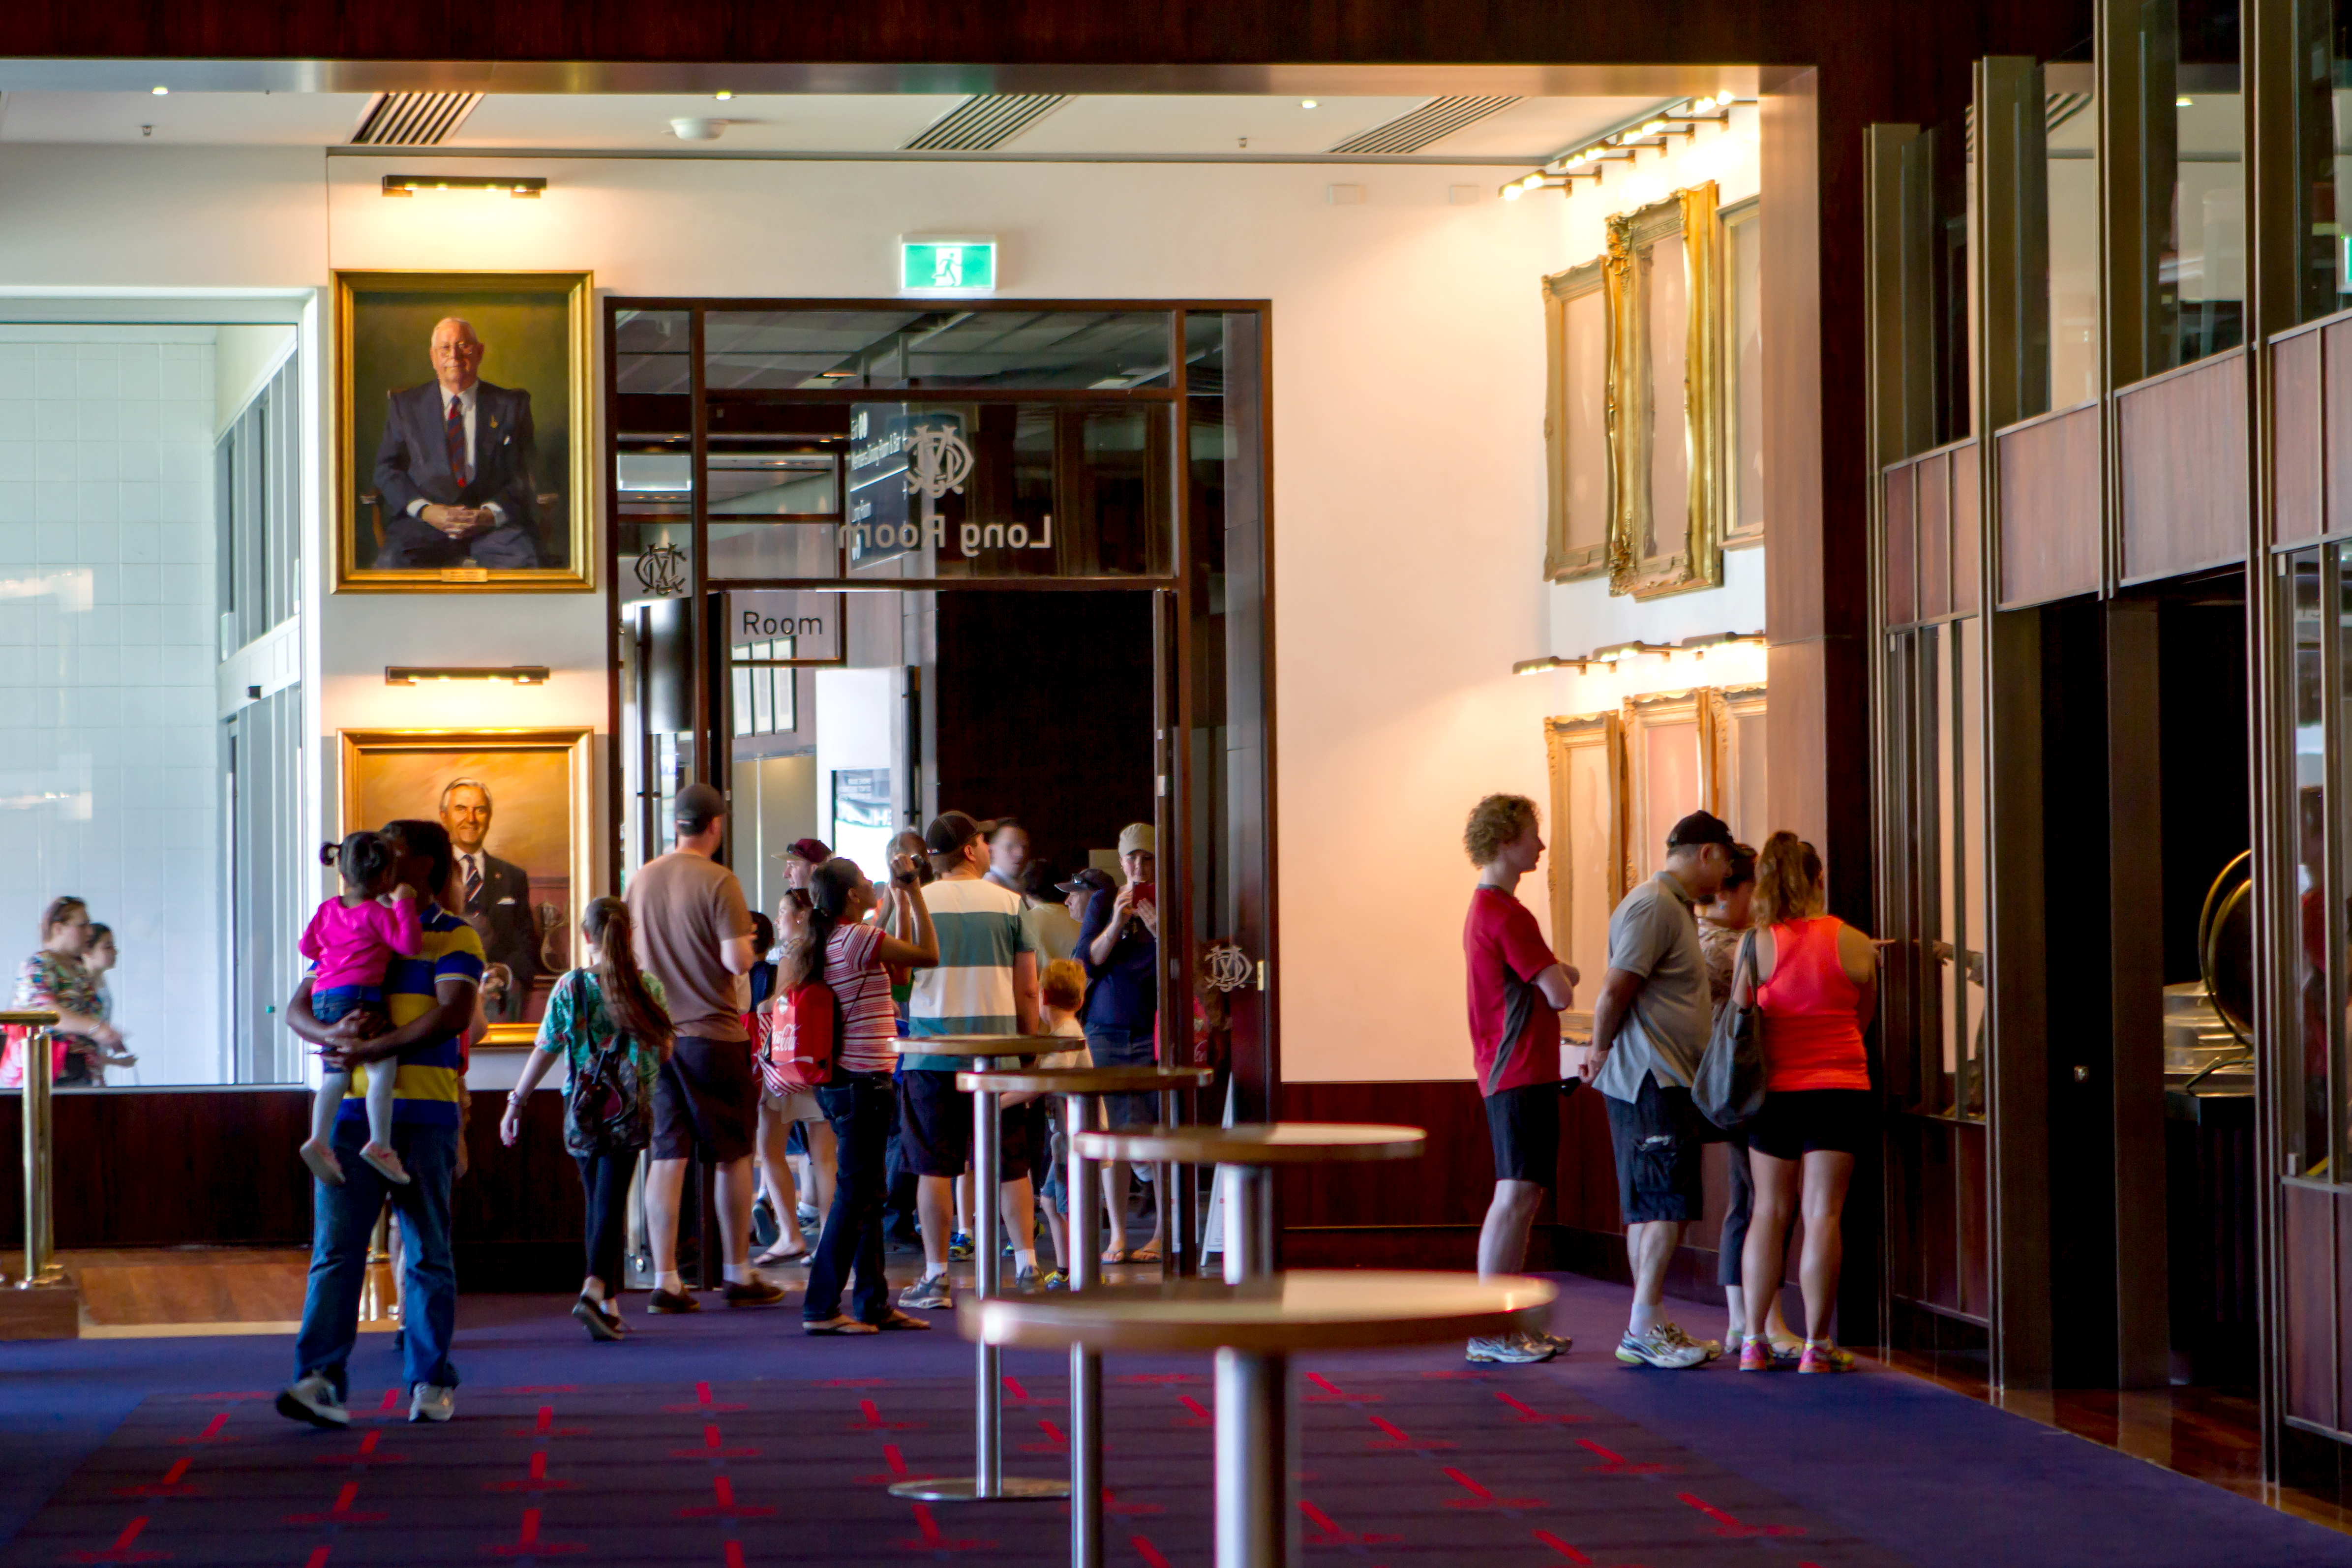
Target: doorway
[(874, 560)]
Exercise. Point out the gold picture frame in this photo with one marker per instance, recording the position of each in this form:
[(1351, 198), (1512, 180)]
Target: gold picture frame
[(538, 329), (1735, 740), (1585, 754), (524, 775), (1666, 354), (1739, 233), (1669, 772), (1578, 447)]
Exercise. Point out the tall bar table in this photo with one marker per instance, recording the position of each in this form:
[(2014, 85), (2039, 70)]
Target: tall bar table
[(1254, 1150), (1253, 1412), (1081, 1088), (1254, 1328), (988, 1481)]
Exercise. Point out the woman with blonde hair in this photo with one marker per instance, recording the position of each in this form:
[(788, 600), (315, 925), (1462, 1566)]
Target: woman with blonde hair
[(1815, 979)]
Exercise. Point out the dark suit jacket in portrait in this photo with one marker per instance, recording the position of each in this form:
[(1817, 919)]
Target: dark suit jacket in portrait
[(412, 464), (510, 930)]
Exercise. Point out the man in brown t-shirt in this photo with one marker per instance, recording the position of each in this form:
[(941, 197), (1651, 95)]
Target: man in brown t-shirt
[(693, 933)]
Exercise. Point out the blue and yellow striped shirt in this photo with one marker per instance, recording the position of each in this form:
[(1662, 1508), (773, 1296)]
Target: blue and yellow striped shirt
[(431, 1072)]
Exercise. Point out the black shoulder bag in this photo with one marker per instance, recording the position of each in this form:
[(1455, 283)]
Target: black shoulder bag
[(1728, 1088)]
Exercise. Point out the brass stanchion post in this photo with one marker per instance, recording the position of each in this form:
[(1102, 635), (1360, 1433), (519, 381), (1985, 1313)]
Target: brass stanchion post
[(40, 1219)]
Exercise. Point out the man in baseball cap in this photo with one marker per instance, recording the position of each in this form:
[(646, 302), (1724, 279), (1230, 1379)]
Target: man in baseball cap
[(1650, 1023), (693, 933)]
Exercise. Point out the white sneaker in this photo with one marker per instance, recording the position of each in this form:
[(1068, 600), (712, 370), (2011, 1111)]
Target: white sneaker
[(1559, 1344), (313, 1399), (431, 1402), (1712, 1348), (1656, 1348), (1510, 1350)]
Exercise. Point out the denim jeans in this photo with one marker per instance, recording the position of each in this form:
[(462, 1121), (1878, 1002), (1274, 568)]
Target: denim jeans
[(863, 1109), (1124, 1048), (345, 1217)]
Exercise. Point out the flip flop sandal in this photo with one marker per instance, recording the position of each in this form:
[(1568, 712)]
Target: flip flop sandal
[(842, 1324), (1117, 1255), (898, 1322), (776, 1255), (1144, 1255)]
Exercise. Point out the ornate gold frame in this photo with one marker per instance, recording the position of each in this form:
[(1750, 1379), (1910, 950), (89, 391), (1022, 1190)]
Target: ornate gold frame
[(1689, 554), (1565, 563), (1739, 213), (1562, 737), (580, 476), (1726, 707), (1646, 840), (577, 744)]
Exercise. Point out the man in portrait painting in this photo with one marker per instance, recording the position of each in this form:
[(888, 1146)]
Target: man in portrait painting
[(497, 896), (457, 467)]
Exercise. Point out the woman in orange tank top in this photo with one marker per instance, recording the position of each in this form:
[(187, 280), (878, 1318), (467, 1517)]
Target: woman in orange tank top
[(1816, 982)]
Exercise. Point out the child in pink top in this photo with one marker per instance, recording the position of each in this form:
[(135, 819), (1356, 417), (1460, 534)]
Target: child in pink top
[(349, 942)]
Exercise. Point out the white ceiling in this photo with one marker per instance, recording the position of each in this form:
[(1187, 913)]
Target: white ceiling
[(1101, 125)]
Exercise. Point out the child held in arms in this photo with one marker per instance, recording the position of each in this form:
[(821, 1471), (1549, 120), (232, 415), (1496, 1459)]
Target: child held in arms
[(349, 941)]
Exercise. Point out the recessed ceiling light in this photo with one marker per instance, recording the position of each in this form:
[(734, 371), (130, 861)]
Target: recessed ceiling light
[(1306, 103), (2181, 102), (159, 91), (722, 94)]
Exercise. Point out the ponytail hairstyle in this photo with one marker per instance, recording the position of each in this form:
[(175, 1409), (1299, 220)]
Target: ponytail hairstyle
[(635, 1012), (364, 858), (829, 890), (1788, 880)]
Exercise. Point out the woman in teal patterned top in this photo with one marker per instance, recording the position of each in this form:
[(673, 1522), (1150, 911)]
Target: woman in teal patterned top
[(606, 1021)]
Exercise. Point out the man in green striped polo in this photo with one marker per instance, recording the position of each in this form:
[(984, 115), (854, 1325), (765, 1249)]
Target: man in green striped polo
[(985, 983)]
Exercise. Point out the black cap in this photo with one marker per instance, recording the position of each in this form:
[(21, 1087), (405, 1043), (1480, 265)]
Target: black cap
[(1088, 878), (699, 804), (1701, 827), (949, 832)]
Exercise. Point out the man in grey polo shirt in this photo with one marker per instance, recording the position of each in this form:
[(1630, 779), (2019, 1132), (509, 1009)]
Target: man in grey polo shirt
[(1650, 1026)]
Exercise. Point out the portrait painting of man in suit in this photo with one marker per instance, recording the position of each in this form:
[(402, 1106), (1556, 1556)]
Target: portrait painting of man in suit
[(457, 466), (498, 899), (463, 405)]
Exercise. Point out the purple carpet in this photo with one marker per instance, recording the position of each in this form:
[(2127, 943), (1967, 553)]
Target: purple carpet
[(729, 1437)]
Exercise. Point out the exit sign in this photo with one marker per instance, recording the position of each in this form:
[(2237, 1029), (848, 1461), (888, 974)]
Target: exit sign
[(932, 265)]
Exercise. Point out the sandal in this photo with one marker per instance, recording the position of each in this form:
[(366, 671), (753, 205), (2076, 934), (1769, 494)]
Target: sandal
[(779, 1254), (1148, 1253), (1116, 1255), (898, 1322), (839, 1323)]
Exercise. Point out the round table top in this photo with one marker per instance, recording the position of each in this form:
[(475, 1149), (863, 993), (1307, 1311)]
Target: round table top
[(1084, 1080), (984, 1046), (1268, 1143), (1338, 1309)]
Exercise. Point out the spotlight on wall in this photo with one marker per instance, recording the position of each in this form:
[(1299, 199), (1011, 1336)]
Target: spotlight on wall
[(512, 675), (526, 188), (160, 91)]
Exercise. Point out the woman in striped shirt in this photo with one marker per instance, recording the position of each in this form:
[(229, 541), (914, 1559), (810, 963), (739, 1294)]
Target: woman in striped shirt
[(860, 1102)]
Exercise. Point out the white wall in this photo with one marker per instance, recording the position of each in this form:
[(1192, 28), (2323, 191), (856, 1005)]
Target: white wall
[(107, 591), (1407, 416)]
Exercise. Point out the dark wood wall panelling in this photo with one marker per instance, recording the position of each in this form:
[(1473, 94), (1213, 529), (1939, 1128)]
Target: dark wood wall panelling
[(1968, 528), (2335, 422), (2299, 503), (1902, 483), (2183, 469), (2050, 511), (1935, 519), (219, 1168), (2309, 1220)]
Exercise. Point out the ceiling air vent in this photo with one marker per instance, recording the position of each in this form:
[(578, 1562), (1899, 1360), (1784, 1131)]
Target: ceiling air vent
[(413, 119), (985, 124), (1432, 121)]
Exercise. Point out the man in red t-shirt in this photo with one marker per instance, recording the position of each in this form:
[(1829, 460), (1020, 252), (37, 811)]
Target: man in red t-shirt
[(1517, 989)]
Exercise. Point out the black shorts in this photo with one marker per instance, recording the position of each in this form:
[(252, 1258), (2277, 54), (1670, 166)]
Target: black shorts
[(1795, 1122), (935, 1129), (707, 1101), (1657, 1138), (1523, 1125)]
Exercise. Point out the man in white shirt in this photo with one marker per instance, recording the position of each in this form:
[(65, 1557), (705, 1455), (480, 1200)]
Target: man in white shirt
[(457, 467)]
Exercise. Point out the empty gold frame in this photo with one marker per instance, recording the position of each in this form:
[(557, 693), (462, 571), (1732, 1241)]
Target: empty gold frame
[(1578, 326), (1587, 864), (1648, 359)]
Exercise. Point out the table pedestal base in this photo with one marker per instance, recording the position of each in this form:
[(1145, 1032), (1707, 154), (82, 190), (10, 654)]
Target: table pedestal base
[(1257, 1526)]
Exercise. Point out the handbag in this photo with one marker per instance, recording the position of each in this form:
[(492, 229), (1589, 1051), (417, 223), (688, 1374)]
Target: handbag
[(1728, 1088)]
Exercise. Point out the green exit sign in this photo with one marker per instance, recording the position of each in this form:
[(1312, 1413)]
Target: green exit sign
[(930, 265)]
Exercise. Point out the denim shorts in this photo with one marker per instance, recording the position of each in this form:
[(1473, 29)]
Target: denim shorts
[(337, 1001), (1124, 1048)]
